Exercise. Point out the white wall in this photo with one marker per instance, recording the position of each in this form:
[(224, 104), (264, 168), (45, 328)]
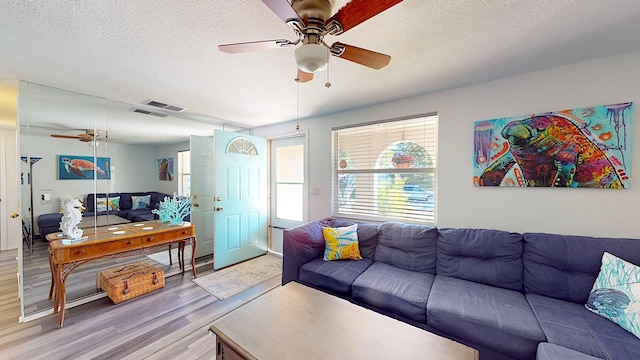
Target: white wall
[(594, 212), (169, 151), (133, 168)]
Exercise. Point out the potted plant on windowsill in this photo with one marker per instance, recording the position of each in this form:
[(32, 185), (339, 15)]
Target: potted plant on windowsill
[(402, 161)]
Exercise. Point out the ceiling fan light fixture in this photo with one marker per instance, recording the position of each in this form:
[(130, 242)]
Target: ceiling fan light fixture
[(311, 57)]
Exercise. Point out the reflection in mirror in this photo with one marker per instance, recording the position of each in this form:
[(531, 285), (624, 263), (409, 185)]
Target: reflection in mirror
[(106, 155)]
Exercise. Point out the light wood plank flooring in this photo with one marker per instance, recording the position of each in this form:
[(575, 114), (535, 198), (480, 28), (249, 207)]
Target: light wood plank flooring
[(171, 323)]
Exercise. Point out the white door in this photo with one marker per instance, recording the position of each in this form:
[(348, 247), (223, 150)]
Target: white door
[(241, 198), (202, 177), (10, 220), (288, 187)]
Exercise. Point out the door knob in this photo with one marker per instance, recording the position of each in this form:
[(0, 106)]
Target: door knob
[(195, 205), (14, 215), (219, 208)]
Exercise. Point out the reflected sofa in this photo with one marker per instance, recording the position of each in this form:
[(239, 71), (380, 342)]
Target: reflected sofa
[(509, 295), (49, 223)]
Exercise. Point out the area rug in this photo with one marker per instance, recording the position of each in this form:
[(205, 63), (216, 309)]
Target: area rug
[(162, 257), (237, 278)]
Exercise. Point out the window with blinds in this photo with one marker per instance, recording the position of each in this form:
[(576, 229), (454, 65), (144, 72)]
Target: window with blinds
[(386, 170)]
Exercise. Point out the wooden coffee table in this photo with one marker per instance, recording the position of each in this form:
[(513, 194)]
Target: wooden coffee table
[(297, 322)]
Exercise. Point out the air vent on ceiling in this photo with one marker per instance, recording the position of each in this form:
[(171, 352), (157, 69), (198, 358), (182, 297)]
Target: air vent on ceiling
[(163, 106), (147, 112)]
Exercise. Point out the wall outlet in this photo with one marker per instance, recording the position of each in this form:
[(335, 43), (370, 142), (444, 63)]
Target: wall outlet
[(315, 191)]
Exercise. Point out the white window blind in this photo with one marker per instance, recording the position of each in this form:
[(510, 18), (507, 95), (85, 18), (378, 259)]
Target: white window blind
[(386, 170)]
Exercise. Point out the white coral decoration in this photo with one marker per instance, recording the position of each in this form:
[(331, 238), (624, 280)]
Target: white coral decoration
[(174, 210), (71, 217)]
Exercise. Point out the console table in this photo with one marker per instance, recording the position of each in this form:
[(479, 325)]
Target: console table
[(117, 241)]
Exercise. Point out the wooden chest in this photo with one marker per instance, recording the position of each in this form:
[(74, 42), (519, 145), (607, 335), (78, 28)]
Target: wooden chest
[(128, 281)]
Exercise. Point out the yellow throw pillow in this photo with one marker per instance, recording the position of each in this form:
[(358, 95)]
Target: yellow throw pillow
[(341, 243)]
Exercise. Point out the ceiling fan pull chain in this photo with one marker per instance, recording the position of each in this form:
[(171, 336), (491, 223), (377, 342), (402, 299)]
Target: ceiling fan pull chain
[(297, 108), (328, 83)]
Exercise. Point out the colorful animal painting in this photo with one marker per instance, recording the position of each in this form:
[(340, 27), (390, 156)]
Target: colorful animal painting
[(165, 169), (586, 147), (72, 167)]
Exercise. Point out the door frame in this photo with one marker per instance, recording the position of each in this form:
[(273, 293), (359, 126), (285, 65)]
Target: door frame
[(275, 229)]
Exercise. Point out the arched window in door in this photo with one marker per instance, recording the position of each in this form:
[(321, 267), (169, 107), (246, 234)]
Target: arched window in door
[(241, 145)]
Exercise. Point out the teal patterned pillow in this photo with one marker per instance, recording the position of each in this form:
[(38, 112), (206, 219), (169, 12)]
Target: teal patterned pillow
[(616, 293), (140, 202)]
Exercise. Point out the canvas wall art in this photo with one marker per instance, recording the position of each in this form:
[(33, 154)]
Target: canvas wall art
[(165, 169), (71, 167), (588, 147)]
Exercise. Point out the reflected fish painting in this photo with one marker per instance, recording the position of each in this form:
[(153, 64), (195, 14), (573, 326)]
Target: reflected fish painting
[(83, 167)]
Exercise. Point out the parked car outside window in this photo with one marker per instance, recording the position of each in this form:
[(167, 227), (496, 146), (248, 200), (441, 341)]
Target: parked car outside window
[(417, 193)]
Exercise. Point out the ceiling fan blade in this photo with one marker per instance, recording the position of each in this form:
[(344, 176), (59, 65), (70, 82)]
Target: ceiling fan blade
[(66, 136), (304, 76), (372, 59), (358, 11), (283, 9), (254, 46)]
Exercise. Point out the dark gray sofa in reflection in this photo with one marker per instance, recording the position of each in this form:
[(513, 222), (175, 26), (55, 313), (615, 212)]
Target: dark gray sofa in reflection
[(509, 295), (49, 223)]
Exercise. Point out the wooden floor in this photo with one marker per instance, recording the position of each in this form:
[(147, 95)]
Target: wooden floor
[(171, 323)]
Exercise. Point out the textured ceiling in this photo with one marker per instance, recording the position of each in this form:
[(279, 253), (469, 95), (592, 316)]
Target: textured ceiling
[(166, 50)]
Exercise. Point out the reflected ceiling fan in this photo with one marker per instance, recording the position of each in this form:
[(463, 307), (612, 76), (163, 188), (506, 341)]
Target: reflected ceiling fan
[(88, 136), (311, 20)]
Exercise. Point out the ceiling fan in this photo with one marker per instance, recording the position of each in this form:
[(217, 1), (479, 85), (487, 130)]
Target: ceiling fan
[(88, 136), (311, 20)]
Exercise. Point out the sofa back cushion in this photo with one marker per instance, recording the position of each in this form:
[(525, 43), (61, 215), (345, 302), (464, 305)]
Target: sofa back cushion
[(411, 247), (491, 257), (566, 266)]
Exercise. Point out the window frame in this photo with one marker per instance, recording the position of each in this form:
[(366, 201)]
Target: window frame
[(402, 213)]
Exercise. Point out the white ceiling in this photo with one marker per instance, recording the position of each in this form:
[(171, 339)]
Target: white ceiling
[(166, 50)]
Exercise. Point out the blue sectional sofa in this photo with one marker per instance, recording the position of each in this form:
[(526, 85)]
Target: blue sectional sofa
[(509, 295), (49, 223)]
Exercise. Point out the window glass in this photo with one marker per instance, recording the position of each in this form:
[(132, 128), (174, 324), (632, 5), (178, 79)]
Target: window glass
[(386, 170), (289, 182)]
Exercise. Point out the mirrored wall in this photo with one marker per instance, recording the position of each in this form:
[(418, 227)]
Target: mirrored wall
[(75, 145)]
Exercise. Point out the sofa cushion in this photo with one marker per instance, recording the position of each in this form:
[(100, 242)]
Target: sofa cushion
[(394, 289), (125, 199), (411, 247), (333, 276), (570, 325), (108, 204), (548, 351), (140, 202), (368, 239), (493, 317), (367, 236), (565, 267), (91, 199), (156, 198), (616, 293), (489, 257), (137, 215), (341, 243)]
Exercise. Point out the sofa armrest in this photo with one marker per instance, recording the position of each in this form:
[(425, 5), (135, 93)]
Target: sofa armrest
[(301, 245)]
